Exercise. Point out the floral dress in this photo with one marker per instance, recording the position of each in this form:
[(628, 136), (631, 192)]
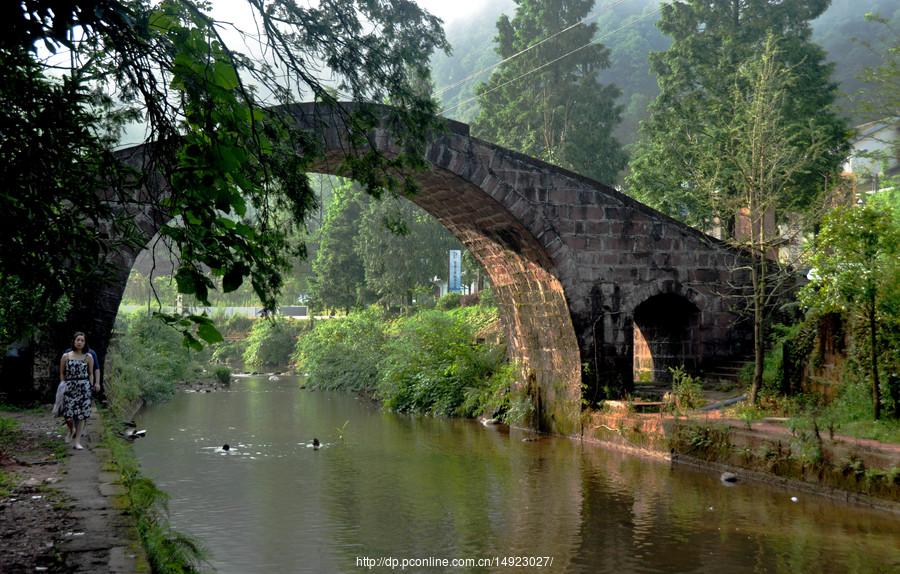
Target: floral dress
[(77, 398)]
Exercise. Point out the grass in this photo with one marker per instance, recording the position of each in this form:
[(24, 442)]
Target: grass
[(34, 408), (7, 483), (168, 551), (849, 414), (10, 433), (883, 430)]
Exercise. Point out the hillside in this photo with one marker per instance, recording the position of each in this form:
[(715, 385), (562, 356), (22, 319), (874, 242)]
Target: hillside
[(628, 28)]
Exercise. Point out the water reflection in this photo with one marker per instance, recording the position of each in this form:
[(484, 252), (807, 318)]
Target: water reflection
[(409, 487)]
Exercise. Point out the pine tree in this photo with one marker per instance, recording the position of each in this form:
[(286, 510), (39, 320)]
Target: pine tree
[(697, 76), (547, 102)]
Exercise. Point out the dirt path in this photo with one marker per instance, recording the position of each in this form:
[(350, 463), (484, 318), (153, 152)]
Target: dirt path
[(61, 512)]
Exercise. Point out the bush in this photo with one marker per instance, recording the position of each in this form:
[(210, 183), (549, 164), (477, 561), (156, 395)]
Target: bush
[(146, 360), (432, 365), (486, 297), (270, 344), (223, 374), (230, 353), (234, 325), (425, 363), (687, 392), (343, 353), (449, 301)]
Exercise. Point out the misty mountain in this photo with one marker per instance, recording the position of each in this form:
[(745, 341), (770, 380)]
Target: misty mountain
[(628, 29)]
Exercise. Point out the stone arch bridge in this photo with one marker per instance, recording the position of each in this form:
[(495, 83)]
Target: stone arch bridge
[(595, 288)]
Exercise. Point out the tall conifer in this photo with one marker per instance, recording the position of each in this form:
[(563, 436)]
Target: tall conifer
[(697, 77), (547, 102)]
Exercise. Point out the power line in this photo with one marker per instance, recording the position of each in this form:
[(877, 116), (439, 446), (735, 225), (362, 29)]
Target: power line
[(542, 66), (531, 47)]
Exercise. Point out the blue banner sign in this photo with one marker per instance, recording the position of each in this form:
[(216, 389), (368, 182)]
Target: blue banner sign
[(455, 283)]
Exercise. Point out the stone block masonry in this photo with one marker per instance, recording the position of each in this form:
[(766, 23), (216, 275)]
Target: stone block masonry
[(571, 261)]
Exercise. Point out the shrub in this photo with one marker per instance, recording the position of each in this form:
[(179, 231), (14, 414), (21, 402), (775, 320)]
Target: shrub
[(428, 362), (432, 365), (449, 301), (223, 374), (687, 391), (270, 344), (343, 353), (146, 360), (486, 297), (230, 353), (234, 325)]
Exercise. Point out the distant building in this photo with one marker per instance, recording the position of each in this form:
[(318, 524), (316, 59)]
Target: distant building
[(874, 157)]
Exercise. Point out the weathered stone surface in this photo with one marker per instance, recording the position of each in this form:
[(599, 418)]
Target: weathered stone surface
[(571, 261)]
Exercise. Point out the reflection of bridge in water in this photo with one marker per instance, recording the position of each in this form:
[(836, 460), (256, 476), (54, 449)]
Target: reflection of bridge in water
[(592, 285)]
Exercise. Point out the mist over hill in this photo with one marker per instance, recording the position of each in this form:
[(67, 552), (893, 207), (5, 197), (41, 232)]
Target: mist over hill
[(628, 29)]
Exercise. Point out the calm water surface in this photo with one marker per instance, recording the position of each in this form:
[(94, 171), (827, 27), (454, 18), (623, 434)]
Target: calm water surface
[(414, 487)]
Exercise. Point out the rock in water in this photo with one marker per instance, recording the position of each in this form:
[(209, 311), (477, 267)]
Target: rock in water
[(729, 477)]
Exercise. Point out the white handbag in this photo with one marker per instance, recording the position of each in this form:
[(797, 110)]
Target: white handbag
[(58, 405)]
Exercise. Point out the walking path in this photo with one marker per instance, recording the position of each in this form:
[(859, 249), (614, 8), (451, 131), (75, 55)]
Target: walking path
[(74, 521), (108, 541)]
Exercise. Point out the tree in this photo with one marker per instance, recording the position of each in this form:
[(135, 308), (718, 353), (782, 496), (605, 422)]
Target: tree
[(339, 279), (547, 102), (380, 251), (880, 103), (759, 147), (233, 164), (55, 145), (853, 266), (402, 248), (881, 99), (629, 31), (697, 76)]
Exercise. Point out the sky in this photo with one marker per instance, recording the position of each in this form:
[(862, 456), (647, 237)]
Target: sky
[(238, 14), (450, 10)]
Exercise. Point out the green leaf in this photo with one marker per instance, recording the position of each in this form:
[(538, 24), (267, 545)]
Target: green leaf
[(209, 333), (191, 342), (233, 279), (161, 21), (226, 223), (202, 291), (186, 281), (225, 76)]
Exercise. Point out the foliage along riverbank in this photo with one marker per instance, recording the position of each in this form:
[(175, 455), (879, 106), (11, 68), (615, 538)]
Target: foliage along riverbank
[(436, 361), (447, 360)]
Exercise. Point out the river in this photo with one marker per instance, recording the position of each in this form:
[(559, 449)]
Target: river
[(388, 486)]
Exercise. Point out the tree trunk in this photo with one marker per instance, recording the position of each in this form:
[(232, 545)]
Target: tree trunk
[(873, 349), (758, 276), (758, 331)]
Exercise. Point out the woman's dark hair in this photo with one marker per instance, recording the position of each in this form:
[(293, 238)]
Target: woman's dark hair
[(75, 336)]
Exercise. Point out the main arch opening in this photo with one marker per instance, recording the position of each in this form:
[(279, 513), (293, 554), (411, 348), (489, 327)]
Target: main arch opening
[(468, 190), (665, 337)]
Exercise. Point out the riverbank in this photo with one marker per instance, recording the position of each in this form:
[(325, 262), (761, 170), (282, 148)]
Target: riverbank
[(60, 509), (858, 471)]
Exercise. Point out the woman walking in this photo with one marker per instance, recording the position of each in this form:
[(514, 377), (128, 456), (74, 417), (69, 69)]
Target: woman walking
[(76, 368)]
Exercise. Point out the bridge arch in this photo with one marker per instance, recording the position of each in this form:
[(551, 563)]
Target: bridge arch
[(666, 334), (570, 258)]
